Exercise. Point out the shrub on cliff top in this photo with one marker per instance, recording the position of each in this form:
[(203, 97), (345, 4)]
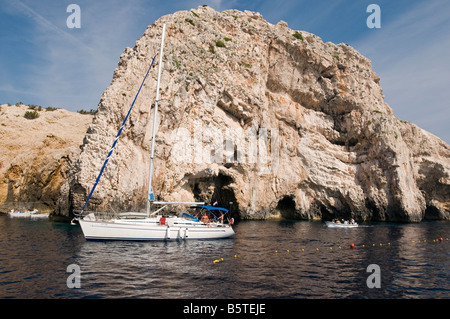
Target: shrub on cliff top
[(84, 112), (31, 115), (298, 35)]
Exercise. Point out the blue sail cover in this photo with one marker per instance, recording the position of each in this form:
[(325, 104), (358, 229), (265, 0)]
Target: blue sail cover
[(117, 137), (211, 208), (189, 216), (152, 195)]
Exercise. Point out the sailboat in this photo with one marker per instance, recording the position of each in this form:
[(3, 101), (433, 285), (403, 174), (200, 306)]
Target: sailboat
[(153, 225)]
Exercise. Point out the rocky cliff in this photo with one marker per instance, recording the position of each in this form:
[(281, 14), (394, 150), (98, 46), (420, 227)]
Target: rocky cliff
[(34, 153), (268, 120)]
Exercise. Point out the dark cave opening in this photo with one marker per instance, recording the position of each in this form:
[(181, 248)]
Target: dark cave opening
[(211, 189), (286, 207)]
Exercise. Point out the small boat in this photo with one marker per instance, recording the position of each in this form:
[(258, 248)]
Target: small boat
[(341, 225), (26, 214), (21, 213)]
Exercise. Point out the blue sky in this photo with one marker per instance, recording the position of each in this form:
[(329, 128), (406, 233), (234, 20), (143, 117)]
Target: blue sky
[(44, 62)]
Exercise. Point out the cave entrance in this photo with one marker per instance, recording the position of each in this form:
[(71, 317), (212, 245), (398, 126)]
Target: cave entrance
[(213, 189), (225, 198), (286, 207)]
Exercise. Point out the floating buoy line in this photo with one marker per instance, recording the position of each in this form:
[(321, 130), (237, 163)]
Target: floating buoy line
[(351, 246)]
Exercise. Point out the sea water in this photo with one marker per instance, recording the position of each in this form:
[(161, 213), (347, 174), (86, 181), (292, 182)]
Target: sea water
[(265, 259)]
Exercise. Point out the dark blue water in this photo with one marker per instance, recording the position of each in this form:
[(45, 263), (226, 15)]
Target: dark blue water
[(265, 259)]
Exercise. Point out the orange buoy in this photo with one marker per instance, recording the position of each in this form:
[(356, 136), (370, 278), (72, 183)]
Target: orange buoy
[(352, 245), (441, 239)]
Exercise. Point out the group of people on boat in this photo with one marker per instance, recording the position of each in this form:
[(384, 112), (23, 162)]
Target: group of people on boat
[(345, 222), (206, 219), (19, 211)]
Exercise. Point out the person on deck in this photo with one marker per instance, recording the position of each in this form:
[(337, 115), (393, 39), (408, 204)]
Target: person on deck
[(205, 219)]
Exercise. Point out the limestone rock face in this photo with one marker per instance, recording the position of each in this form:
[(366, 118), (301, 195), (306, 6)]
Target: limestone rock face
[(34, 155), (263, 119)]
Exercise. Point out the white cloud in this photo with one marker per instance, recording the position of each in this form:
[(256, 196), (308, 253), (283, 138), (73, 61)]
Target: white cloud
[(411, 55)]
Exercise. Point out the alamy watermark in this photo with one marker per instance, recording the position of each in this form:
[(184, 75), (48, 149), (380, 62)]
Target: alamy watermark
[(374, 19), (374, 279), (74, 19), (74, 279), (199, 145)]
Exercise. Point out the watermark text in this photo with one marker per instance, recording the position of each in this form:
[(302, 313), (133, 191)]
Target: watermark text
[(374, 19), (74, 279), (74, 19), (200, 145)]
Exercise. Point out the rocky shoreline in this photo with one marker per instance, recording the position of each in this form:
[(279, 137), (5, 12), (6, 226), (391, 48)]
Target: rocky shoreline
[(36, 146), (268, 121)]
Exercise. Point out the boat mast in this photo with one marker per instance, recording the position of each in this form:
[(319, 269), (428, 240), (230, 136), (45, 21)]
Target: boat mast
[(154, 123)]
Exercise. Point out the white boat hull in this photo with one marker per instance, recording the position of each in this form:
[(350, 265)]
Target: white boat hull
[(27, 214), (20, 215), (150, 229), (336, 225)]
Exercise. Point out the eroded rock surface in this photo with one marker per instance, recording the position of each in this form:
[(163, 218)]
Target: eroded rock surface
[(35, 153), (270, 119)]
